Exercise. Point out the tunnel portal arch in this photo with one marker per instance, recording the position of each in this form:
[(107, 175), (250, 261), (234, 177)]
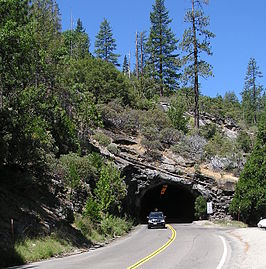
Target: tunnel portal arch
[(177, 202)]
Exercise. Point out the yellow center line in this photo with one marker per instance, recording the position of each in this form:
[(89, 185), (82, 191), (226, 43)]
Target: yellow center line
[(156, 252)]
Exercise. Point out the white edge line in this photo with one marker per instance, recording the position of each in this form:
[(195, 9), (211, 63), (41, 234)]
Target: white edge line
[(222, 261)]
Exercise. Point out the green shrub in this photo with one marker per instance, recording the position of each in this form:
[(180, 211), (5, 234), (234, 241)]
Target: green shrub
[(170, 136), (156, 118), (102, 138), (244, 142), (220, 146), (176, 115), (85, 225), (110, 189), (190, 147), (207, 131), (200, 207), (75, 169), (113, 148), (112, 226), (92, 210)]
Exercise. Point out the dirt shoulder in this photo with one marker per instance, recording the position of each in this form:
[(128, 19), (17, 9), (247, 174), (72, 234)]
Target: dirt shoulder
[(253, 241), (250, 248)]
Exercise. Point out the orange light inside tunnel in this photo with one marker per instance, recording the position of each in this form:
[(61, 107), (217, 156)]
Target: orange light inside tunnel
[(163, 189)]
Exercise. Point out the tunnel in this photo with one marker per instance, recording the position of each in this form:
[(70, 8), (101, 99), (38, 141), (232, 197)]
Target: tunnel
[(176, 202)]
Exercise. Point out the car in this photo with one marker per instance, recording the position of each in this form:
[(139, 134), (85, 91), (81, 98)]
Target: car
[(262, 223), (156, 219)]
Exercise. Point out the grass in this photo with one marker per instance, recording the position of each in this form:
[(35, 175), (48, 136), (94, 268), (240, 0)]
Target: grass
[(109, 227), (61, 242), (42, 248), (230, 223)]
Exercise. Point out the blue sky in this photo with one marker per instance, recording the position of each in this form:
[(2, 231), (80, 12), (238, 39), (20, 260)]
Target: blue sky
[(239, 26)]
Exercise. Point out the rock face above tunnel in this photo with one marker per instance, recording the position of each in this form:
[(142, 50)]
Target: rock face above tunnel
[(142, 175), (141, 179)]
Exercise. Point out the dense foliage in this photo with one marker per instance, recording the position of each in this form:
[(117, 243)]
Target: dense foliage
[(249, 202), (200, 207)]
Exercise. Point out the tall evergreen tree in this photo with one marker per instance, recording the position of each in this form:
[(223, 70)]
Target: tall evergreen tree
[(196, 39), (79, 27), (251, 95), (249, 201), (161, 46), (105, 44), (125, 66)]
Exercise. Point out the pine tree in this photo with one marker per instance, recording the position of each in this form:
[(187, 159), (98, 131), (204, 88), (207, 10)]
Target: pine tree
[(249, 201), (125, 66), (196, 39), (251, 95), (105, 44), (79, 27), (161, 45)]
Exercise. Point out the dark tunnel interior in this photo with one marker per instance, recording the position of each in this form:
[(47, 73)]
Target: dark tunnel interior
[(176, 202)]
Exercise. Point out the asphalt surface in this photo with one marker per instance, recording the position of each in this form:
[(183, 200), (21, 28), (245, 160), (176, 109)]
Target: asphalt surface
[(194, 246)]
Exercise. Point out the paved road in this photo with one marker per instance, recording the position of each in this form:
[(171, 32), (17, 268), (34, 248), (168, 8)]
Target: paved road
[(193, 247)]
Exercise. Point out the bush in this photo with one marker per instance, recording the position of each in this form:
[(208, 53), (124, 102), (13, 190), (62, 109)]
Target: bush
[(85, 225), (92, 210), (207, 131), (200, 207), (110, 189), (170, 136), (156, 118), (102, 138), (113, 148), (176, 115), (244, 142), (220, 146), (75, 169), (190, 147), (112, 226)]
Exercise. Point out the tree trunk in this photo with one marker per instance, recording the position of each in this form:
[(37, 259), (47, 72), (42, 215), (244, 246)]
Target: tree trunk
[(141, 54), (254, 102), (196, 76), (137, 56), (129, 64)]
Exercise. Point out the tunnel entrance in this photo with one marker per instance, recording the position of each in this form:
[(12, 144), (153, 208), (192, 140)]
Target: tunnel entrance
[(176, 201)]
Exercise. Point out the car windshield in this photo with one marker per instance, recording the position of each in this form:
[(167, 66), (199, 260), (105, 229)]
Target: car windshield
[(156, 215)]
